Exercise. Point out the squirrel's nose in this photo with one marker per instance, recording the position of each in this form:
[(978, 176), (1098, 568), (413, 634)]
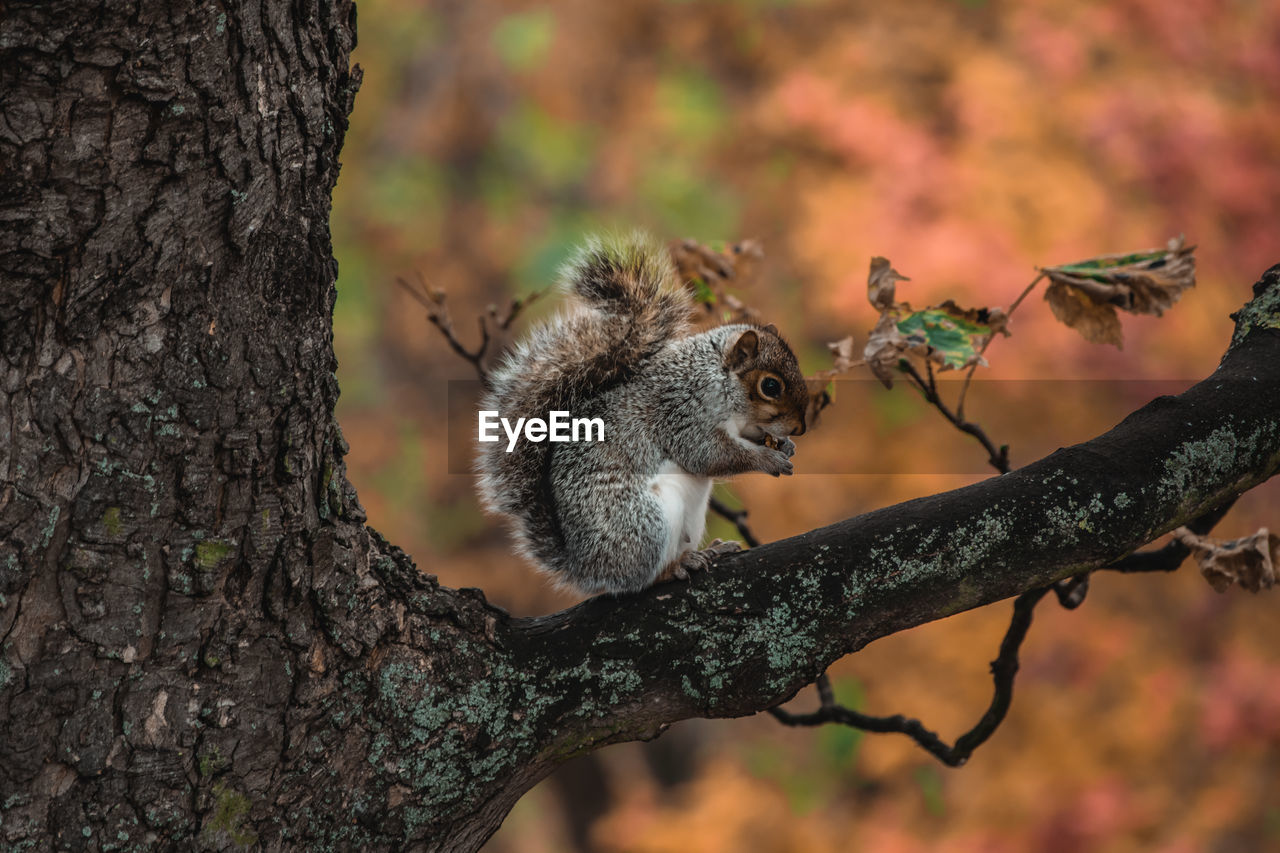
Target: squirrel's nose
[(800, 429)]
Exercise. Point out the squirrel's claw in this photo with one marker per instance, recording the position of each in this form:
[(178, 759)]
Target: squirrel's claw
[(721, 546), (699, 560), (696, 561), (776, 462)]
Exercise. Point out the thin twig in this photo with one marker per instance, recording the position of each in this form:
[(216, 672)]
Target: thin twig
[(736, 517), (997, 457), (435, 301), (1003, 670), (964, 389)]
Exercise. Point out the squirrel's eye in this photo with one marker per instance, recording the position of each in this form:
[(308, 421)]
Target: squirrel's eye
[(771, 387)]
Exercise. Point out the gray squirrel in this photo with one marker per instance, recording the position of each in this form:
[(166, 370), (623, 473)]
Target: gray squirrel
[(679, 410)]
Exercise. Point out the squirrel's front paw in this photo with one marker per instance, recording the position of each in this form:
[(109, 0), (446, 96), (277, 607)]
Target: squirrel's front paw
[(777, 461), (783, 444)]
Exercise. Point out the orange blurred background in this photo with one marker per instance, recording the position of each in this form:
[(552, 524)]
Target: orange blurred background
[(968, 142)]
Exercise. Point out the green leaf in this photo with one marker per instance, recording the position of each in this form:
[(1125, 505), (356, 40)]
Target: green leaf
[(950, 336), (1096, 268)]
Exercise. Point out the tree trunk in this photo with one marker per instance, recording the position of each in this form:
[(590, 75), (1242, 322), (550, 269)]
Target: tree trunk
[(201, 643)]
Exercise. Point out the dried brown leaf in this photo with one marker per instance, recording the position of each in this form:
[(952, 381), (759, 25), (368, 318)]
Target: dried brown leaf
[(842, 360), (821, 388), (880, 283), (1147, 282), (885, 346), (1096, 321), (1249, 562)]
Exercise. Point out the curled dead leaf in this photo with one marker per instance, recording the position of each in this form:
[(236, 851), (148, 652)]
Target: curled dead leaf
[(1086, 294), (821, 388), (1096, 321), (880, 283), (1249, 562), (842, 359), (885, 346)]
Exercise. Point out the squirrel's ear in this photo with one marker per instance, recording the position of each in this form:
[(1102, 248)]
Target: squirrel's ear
[(744, 349), (771, 329)]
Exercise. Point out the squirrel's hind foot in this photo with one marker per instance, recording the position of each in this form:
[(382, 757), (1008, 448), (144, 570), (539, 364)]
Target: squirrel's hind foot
[(696, 561)]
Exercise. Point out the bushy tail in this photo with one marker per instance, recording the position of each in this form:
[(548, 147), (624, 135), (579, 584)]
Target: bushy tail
[(631, 282), (630, 303)]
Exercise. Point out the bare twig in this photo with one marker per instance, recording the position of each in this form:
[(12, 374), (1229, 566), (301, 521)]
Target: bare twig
[(997, 457), (736, 517), (1003, 670), (435, 301), (964, 389)]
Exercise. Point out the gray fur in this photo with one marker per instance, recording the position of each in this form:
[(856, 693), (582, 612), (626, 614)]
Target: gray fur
[(585, 511)]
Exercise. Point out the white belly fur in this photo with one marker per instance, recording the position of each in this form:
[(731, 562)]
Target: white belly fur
[(684, 499)]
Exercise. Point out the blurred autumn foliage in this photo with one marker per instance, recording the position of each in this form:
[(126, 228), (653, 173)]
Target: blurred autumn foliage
[(971, 142)]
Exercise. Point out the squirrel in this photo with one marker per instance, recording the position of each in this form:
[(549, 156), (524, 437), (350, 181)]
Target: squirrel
[(679, 410)]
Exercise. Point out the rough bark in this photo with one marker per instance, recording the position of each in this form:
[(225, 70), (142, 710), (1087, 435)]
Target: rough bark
[(201, 643)]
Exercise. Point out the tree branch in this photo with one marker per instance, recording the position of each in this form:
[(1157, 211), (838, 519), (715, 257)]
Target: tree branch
[(1070, 593)]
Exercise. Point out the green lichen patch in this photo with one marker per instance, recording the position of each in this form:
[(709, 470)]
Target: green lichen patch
[(1261, 312), (1209, 460), (210, 554), (47, 533), (111, 521), (229, 811), (212, 762)]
